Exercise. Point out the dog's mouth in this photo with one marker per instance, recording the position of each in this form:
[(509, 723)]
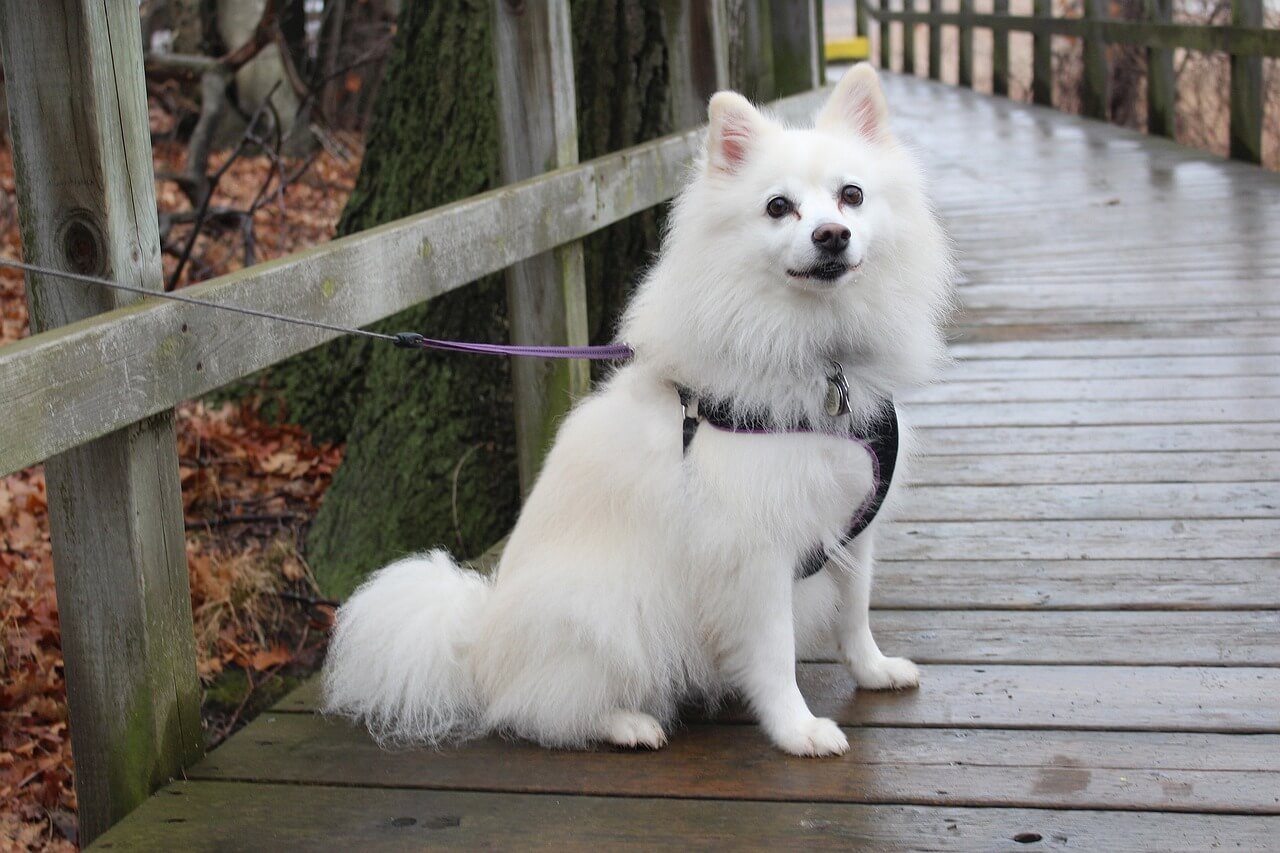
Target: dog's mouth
[(826, 271)]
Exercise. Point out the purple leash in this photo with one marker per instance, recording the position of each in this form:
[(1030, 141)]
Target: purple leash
[(606, 352), (404, 340)]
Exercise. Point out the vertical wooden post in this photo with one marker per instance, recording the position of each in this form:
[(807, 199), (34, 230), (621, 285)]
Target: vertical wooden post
[(720, 42), (546, 295), (82, 157), (1246, 89), (750, 39), (1161, 88), (1094, 84), (692, 59), (797, 48), (965, 75), (861, 27), (1000, 50), (886, 36), (909, 61), (935, 43), (1042, 58)]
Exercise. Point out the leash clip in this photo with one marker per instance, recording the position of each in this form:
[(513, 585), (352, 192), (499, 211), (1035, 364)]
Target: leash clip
[(837, 400)]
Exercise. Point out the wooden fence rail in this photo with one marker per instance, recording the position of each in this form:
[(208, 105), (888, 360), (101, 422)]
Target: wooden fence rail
[(93, 393), (1245, 40)]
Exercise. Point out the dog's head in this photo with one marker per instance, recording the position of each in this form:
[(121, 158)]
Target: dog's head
[(793, 247), (802, 206)]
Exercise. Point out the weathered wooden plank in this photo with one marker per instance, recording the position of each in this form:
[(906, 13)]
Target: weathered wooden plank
[(1118, 347), (1091, 412), (1042, 58), (956, 390), (797, 45), (82, 156), (1162, 93), (999, 49), (935, 44), (1186, 367), (1083, 637), (1078, 540), (193, 816), (695, 58), (1118, 501), (80, 382), (546, 294), (910, 65), (1238, 40), (945, 767), (999, 467), (884, 31), (1119, 698), (1099, 439), (965, 73), (982, 584), (1246, 88)]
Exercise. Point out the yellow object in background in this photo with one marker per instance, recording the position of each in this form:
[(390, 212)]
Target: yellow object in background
[(848, 50)]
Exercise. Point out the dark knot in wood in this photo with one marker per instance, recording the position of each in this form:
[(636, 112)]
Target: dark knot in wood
[(516, 7), (82, 245)]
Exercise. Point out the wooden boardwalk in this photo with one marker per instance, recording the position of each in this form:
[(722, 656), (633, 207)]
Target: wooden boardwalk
[(1089, 569)]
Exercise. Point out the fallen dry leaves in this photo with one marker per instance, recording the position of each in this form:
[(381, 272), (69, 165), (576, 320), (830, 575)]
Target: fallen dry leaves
[(249, 488)]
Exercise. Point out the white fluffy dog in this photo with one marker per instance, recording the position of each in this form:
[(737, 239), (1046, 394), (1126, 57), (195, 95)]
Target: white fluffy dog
[(642, 574)]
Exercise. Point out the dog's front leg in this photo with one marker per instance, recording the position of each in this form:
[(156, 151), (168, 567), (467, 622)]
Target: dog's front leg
[(852, 566), (756, 623)]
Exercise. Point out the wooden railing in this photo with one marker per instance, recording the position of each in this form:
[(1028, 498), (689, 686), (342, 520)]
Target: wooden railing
[(1245, 40), (92, 394)]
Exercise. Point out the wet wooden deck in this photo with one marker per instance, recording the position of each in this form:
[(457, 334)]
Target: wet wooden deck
[(1089, 569)]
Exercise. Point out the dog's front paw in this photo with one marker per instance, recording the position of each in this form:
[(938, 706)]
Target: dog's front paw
[(814, 737), (882, 673), (634, 729)]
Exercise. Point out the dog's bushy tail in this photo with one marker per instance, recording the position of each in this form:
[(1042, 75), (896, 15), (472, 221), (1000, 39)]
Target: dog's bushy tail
[(397, 661)]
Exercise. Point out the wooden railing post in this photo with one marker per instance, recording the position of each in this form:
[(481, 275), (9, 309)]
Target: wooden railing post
[(935, 43), (885, 29), (910, 65), (697, 63), (1161, 88), (1000, 51), (965, 37), (546, 295), (1246, 89), (797, 46), (1042, 58), (1094, 81), (82, 157), (749, 35)]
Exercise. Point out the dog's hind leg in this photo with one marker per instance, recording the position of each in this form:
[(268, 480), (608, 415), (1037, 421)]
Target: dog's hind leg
[(852, 567)]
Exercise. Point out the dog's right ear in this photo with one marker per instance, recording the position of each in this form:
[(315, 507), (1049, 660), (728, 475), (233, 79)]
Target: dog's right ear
[(735, 129)]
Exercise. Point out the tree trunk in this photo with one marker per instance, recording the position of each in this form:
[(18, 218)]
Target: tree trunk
[(430, 455)]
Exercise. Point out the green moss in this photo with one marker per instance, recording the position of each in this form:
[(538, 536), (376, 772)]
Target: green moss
[(430, 455)]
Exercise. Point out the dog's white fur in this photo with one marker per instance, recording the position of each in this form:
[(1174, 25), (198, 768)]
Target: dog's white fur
[(639, 577)]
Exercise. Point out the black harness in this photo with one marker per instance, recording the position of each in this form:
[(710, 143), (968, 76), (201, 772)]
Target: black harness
[(879, 437)]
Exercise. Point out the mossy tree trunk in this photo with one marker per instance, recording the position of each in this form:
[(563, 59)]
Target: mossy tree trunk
[(430, 455)]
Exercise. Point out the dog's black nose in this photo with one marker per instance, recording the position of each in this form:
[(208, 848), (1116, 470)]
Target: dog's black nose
[(831, 237)]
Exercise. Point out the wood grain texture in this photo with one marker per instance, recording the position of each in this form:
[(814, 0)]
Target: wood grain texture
[(957, 767), (1228, 700), (1246, 88), (1065, 502), (1163, 584), (194, 816), (1150, 469), (546, 294), (82, 157), (80, 382)]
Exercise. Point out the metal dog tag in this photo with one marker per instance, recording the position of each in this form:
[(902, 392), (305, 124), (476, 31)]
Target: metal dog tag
[(837, 400)]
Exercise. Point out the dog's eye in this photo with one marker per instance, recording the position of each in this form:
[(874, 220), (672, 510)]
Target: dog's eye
[(778, 207), (851, 195)]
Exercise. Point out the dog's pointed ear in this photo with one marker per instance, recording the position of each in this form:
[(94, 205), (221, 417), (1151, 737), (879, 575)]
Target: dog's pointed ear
[(735, 129), (857, 105)]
